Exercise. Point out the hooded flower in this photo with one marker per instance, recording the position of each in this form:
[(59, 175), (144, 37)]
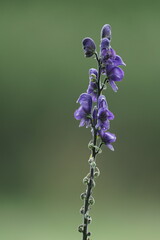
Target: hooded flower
[(83, 113), (103, 115), (92, 88), (114, 74), (88, 46), (107, 138), (106, 31), (102, 102), (109, 57), (105, 43)]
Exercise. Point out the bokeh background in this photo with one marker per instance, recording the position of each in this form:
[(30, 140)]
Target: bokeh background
[(43, 152)]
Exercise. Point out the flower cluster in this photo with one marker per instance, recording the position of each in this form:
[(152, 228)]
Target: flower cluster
[(93, 111)]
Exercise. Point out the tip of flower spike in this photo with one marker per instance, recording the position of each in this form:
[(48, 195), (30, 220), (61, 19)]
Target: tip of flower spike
[(106, 31)]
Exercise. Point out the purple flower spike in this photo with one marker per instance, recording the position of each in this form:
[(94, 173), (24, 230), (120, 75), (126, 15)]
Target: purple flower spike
[(106, 31), (88, 46), (107, 139), (94, 113)]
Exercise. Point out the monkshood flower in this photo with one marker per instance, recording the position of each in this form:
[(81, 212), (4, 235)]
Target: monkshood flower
[(107, 138), (83, 113), (105, 43), (103, 117), (109, 57), (92, 88), (93, 112), (103, 114), (102, 102), (88, 46), (114, 74), (106, 31)]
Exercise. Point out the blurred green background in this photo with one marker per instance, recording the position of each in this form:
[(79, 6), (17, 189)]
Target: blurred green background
[(44, 153)]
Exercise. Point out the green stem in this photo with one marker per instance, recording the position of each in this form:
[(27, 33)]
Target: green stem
[(92, 169)]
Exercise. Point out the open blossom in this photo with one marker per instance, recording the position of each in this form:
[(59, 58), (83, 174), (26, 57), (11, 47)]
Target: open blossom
[(107, 138), (88, 46), (103, 115), (114, 74), (92, 88), (83, 113), (109, 57)]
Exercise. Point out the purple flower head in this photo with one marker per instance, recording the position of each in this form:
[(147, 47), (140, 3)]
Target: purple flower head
[(106, 31), (83, 113), (105, 43), (107, 138), (114, 74), (103, 115), (88, 46), (108, 56), (102, 103)]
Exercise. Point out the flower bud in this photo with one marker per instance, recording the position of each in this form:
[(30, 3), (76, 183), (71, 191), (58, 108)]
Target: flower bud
[(91, 159), (90, 145), (89, 219), (91, 200), (85, 180), (83, 196), (82, 210), (93, 164), (106, 31), (80, 228), (97, 172)]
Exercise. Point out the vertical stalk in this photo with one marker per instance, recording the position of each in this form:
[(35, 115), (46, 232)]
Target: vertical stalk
[(90, 184)]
